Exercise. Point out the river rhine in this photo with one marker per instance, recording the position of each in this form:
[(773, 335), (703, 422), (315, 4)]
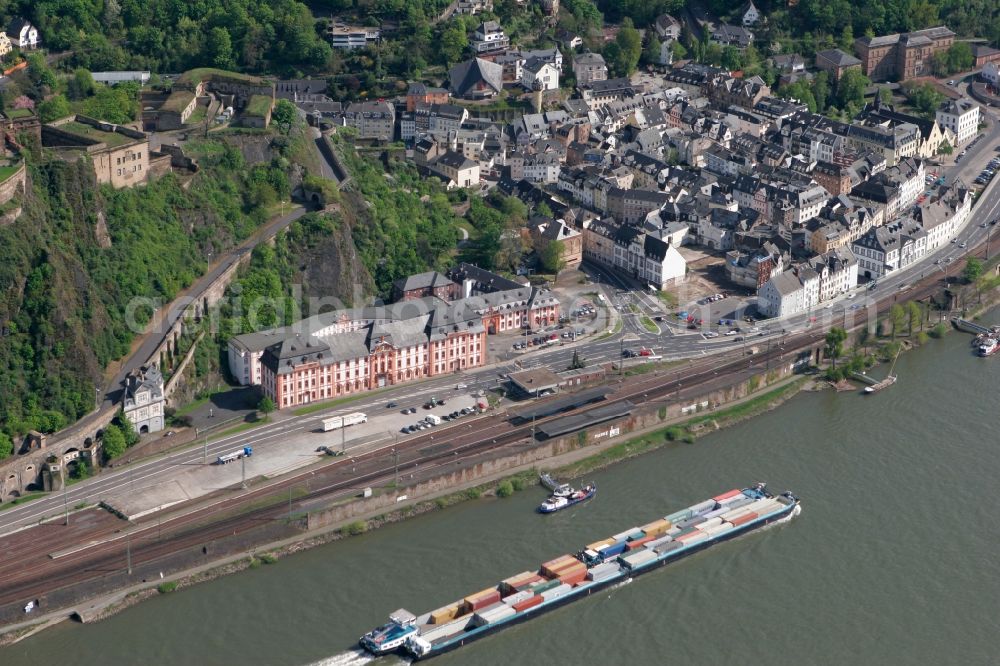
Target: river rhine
[(893, 560)]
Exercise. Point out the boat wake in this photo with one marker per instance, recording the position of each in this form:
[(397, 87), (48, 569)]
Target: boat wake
[(355, 658), (791, 514)]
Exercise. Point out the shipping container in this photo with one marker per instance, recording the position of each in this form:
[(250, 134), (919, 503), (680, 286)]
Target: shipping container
[(738, 502), (708, 523), (446, 630), (474, 602), (717, 512), (674, 530), (656, 528), (494, 615), (674, 518), (445, 614), (692, 538), (538, 588), (701, 507), (730, 493), (573, 577), (518, 597), (556, 592), (622, 536), (610, 551), (719, 529), (658, 542), (691, 522), (597, 545), (602, 571), (528, 603), (638, 558), (638, 543), (668, 547), (744, 519)]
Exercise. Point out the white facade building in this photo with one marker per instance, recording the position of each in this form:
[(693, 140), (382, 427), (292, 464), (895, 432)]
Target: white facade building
[(961, 116), (143, 401)]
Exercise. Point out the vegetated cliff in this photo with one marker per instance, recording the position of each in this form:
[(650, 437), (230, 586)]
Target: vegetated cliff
[(65, 290), (326, 263)]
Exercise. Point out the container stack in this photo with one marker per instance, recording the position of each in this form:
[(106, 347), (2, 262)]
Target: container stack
[(657, 528), (693, 537), (538, 588), (520, 582), (639, 543), (602, 572), (638, 558), (491, 614), (659, 542), (446, 614), (565, 569), (611, 551), (444, 631), (709, 523), (556, 592), (530, 602), (482, 599), (518, 597), (716, 530)]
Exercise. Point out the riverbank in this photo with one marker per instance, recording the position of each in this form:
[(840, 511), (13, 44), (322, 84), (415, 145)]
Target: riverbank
[(574, 463)]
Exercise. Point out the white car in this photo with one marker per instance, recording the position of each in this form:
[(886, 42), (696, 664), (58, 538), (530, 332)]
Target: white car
[(711, 334), (731, 332), (460, 387)]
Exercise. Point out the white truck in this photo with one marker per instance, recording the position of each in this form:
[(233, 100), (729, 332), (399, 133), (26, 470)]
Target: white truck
[(337, 422), (433, 419), (227, 458)]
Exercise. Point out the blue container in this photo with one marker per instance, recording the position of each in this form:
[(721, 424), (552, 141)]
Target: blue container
[(609, 552)]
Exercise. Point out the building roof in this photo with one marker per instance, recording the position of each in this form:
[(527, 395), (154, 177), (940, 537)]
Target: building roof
[(467, 75), (16, 25), (786, 283), (428, 280), (837, 58)]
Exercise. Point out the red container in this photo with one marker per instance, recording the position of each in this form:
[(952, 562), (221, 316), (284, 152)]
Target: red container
[(731, 493), (528, 603), (484, 600), (745, 518), (632, 545), (574, 577)]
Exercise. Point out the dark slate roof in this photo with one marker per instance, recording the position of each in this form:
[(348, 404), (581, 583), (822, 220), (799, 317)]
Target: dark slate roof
[(428, 280), (837, 57), (466, 75)]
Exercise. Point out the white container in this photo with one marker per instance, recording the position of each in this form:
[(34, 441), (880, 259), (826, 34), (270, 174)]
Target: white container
[(556, 592), (707, 505), (709, 523), (659, 542), (518, 597)]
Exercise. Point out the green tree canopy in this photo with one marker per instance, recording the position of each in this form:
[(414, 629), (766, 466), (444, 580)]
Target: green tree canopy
[(973, 270), (114, 442), (552, 256), (834, 347), (6, 445)]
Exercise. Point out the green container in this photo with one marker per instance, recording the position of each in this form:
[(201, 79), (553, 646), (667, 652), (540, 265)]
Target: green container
[(538, 588)]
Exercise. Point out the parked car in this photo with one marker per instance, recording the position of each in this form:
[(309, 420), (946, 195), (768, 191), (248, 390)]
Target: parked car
[(461, 387), (391, 405)]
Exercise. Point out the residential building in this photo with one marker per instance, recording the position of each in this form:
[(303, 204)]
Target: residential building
[(637, 253), (351, 37), (885, 249), (546, 230), (476, 79), (143, 400), (931, 134), (373, 120), (749, 14), (588, 68), (781, 296), (983, 54), (836, 62), (668, 29), (457, 169), (961, 116), (539, 75), (631, 206), (790, 63), (5, 45), (600, 93), (732, 35), (902, 56), (489, 37), (22, 34), (473, 7), (991, 73), (943, 217), (119, 155), (419, 94), (754, 269), (725, 91)]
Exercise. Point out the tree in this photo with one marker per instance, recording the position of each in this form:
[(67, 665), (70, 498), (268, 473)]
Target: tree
[(552, 257), (731, 58), (851, 89), (266, 406), (834, 348), (623, 53), (821, 90), (945, 148), (283, 114), (219, 49), (6, 445), (973, 270), (53, 109), (114, 442), (897, 316), (577, 362), (80, 85), (651, 52), (128, 430), (915, 316), (81, 470), (39, 72), (452, 44)]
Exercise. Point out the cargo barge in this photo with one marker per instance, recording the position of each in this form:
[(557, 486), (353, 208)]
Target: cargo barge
[(567, 578)]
